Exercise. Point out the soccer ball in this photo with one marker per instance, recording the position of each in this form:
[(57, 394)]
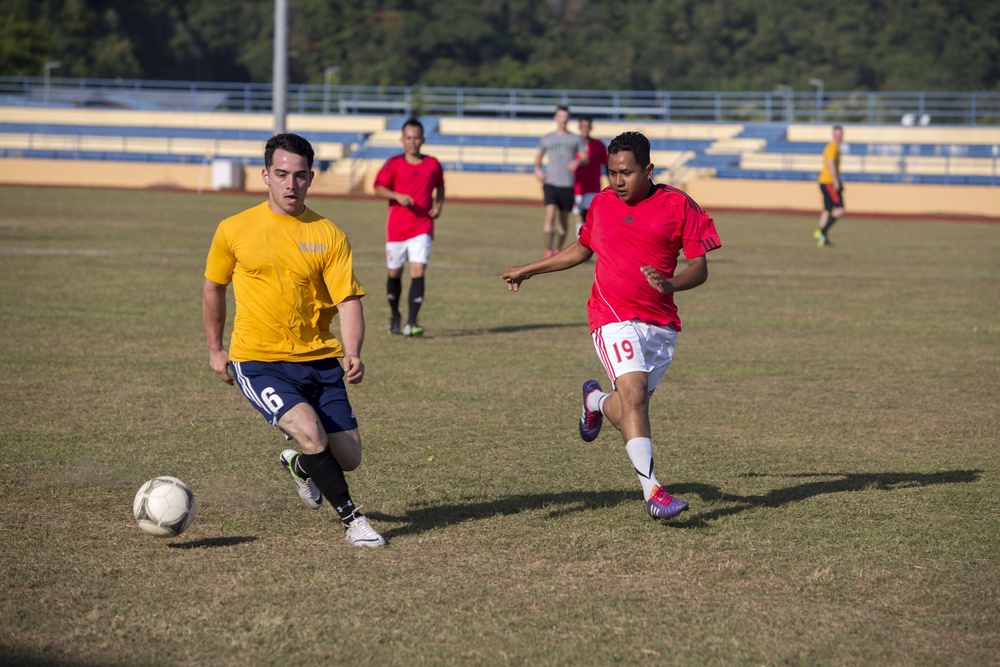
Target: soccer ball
[(164, 507)]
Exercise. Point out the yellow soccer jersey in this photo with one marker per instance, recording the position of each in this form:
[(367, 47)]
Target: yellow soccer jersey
[(288, 274), (831, 152)]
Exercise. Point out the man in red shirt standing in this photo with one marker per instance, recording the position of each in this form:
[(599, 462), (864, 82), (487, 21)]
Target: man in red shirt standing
[(588, 176), (414, 185), (637, 230)]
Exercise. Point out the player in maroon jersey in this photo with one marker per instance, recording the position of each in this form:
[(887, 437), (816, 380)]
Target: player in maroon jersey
[(637, 230), (588, 176)]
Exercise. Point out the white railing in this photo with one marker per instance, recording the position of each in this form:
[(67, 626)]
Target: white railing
[(783, 105)]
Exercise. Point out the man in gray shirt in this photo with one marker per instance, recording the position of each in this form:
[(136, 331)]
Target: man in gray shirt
[(566, 151)]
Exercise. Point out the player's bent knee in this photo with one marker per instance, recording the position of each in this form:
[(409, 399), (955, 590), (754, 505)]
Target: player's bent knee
[(346, 448)]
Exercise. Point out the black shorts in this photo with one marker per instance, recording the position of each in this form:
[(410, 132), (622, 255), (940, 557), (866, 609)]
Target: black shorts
[(832, 197), (561, 198)]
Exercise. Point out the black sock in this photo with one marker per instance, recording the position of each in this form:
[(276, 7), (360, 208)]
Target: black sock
[(393, 288), (328, 476), (416, 298)]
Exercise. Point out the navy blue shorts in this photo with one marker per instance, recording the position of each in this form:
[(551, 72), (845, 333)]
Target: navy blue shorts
[(274, 387)]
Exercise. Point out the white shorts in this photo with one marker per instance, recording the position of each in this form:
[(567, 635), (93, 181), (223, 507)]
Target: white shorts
[(627, 347), (582, 202), (416, 250)]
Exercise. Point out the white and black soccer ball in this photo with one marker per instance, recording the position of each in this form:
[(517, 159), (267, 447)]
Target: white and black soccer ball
[(164, 507)]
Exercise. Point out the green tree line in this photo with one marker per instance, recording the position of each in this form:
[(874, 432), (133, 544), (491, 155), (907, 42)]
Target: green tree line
[(871, 45)]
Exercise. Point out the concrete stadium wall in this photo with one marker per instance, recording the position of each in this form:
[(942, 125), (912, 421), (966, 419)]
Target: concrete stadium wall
[(874, 198), (898, 134)]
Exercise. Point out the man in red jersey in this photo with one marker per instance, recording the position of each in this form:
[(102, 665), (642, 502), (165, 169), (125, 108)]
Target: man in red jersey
[(637, 230), (414, 185), (588, 176)]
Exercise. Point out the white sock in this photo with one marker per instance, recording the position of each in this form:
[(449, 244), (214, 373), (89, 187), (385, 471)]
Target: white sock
[(595, 400), (640, 451)]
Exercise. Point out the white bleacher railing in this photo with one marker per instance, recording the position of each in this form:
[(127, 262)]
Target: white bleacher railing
[(782, 105)]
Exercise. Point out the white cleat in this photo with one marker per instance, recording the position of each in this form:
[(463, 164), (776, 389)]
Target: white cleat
[(308, 492), (361, 534)]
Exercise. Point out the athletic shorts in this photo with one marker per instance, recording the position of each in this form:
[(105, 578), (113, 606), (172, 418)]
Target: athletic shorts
[(581, 203), (561, 198), (627, 347), (274, 387), (832, 197), (416, 250)]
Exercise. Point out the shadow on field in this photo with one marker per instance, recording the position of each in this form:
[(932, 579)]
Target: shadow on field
[(16, 657), (825, 483), (212, 542), (420, 519), (452, 333)]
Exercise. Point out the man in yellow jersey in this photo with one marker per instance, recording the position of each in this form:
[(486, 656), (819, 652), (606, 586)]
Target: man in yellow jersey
[(292, 271), (832, 188)]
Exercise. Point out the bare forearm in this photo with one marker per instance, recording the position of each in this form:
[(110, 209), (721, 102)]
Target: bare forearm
[(689, 278), (695, 274), (213, 313), (352, 326)]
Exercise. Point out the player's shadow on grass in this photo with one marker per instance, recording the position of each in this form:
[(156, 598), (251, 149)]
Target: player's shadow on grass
[(825, 483), (212, 542), (431, 516), (514, 328)]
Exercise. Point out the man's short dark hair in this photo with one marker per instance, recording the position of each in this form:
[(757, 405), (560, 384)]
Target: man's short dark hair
[(562, 107), (589, 119), (412, 121), (292, 143), (635, 143)]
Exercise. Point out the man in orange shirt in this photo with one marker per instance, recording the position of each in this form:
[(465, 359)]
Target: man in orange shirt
[(831, 187)]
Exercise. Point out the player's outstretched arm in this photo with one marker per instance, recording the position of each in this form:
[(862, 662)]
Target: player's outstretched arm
[(695, 274), (566, 258)]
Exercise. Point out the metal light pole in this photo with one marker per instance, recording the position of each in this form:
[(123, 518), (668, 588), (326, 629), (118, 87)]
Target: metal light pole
[(328, 73), (819, 98), (49, 66), (279, 98), (786, 92)]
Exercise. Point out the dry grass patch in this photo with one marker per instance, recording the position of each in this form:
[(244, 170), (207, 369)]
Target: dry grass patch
[(831, 417)]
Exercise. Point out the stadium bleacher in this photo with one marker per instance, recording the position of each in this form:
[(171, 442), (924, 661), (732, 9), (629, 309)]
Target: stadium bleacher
[(350, 149)]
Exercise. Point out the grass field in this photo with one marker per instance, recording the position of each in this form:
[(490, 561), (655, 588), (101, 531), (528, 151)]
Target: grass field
[(831, 416)]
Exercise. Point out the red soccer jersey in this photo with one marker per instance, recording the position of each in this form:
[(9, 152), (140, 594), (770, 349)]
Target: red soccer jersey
[(588, 177), (649, 233), (417, 180)]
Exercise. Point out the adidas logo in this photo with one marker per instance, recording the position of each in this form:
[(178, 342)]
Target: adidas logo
[(627, 220)]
